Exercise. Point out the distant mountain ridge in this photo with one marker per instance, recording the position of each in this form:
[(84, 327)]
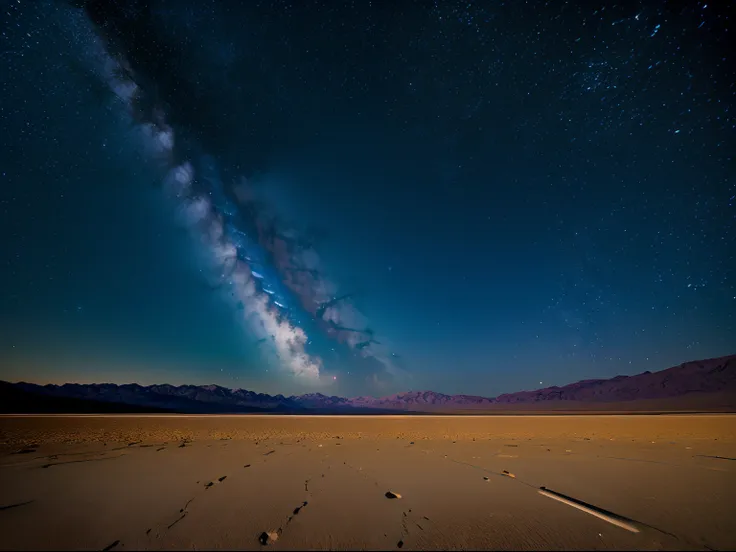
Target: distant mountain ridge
[(696, 377)]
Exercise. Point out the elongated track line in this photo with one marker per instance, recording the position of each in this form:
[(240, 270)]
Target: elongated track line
[(610, 517)]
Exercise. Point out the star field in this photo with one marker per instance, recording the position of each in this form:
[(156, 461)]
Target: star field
[(463, 196)]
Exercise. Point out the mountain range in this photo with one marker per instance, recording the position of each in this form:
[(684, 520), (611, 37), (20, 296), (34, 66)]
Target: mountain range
[(711, 382)]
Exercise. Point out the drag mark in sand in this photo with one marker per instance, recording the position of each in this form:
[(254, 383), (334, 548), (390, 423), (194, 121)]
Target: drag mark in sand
[(183, 513), (716, 457), (185, 510), (80, 461), (639, 460), (610, 517), (16, 505)]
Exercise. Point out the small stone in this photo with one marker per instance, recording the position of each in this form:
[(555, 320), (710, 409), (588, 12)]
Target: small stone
[(267, 538), (485, 478), (391, 494), (509, 474)]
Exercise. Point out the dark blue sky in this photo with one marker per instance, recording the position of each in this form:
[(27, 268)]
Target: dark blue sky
[(508, 194)]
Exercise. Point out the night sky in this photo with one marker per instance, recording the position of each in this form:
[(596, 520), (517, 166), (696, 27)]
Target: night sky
[(364, 197)]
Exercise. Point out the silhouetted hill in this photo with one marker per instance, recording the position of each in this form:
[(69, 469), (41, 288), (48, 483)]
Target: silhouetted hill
[(692, 380), (14, 400), (701, 376)]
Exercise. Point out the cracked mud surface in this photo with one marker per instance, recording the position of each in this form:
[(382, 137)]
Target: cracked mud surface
[(147, 484)]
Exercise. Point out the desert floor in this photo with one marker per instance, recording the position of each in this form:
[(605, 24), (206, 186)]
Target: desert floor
[(208, 482)]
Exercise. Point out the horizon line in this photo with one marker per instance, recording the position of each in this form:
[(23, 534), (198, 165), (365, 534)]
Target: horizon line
[(724, 357)]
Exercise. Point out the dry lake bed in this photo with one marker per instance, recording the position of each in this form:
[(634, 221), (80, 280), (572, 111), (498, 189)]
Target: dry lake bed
[(132, 482)]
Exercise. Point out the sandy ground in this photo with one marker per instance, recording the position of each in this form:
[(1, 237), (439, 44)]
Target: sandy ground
[(176, 482)]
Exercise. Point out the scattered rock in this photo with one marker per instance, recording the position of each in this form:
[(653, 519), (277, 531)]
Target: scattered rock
[(208, 485), (247, 466), (391, 494), (485, 478), (267, 538), (400, 543), (221, 479), (411, 443), (509, 474)]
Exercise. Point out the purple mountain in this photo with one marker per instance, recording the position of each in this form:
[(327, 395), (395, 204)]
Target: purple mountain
[(697, 378)]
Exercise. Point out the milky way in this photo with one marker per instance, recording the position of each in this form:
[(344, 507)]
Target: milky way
[(272, 273)]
